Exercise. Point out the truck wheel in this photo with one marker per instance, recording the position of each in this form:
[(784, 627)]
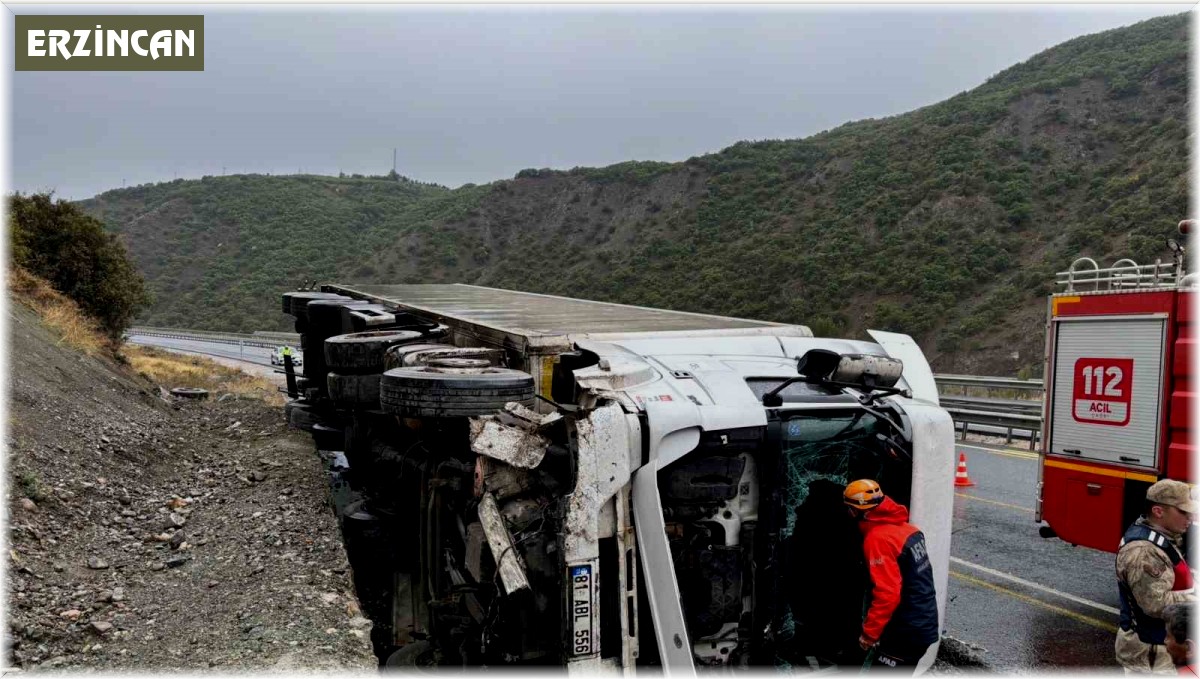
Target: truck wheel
[(295, 303), (413, 654), (363, 352), (494, 357), (300, 416), (394, 357), (354, 390), (424, 391), (190, 392)]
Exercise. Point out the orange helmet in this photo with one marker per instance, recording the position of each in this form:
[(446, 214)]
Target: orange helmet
[(863, 494)]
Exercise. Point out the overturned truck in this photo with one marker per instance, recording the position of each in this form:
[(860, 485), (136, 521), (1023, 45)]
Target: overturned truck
[(528, 479)]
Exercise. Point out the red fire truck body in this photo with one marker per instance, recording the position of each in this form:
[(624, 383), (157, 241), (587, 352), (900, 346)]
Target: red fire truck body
[(1118, 397)]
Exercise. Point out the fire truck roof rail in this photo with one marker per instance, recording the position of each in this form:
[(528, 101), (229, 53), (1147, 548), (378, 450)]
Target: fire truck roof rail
[(1125, 274)]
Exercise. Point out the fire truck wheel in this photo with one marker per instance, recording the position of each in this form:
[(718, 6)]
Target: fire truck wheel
[(424, 391), (354, 390), (363, 352)]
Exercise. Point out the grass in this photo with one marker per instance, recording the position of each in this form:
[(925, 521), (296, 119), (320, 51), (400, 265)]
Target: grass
[(59, 313), (32, 487), (171, 370)]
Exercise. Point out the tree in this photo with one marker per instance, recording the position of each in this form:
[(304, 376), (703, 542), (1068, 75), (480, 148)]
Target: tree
[(58, 242)]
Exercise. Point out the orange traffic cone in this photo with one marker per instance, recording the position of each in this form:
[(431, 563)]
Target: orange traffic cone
[(961, 480)]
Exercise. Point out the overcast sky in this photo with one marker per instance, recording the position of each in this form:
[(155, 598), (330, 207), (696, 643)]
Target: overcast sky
[(474, 94)]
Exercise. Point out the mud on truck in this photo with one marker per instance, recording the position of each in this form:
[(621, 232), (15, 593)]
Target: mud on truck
[(524, 479)]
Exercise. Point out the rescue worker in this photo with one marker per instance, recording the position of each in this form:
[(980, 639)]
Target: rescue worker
[(1180, 645), (1151, 574), (902, 620)]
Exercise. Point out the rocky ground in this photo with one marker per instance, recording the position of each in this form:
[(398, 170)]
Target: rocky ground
[(150, 535)]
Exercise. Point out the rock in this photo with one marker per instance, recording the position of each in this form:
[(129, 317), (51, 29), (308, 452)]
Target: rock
[(58, 567), (175, 520), (118, 594), (96, 563), (105, 595), (224, 398), (101, 627), (257, 476), (71, 615), (28, 505), (156, 566), (177, 561), (124, 499), (359, 622), (176, 540), (330, 598), (212, 583)]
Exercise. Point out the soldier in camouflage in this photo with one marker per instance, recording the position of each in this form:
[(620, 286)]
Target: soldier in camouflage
[(1151, 574)]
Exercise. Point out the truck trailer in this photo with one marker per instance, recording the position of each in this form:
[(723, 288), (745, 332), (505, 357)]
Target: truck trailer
[(525, 479)]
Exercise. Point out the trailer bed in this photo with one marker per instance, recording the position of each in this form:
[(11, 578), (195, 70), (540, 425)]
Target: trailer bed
[(550, 319)]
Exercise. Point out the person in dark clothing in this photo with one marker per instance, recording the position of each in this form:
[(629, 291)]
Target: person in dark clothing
[(902, 620)]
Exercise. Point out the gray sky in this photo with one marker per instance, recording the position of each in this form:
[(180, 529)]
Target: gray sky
[(474, 94)]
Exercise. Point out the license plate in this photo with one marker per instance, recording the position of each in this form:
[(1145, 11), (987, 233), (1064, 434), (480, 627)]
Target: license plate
[(582, 590)]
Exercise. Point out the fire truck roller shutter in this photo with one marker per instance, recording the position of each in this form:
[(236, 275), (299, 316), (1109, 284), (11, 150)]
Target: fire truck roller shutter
[(1108, 389)]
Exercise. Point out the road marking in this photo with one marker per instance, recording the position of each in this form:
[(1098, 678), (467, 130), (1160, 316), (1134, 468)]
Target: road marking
[(1007, 452), (994, 502), (1033, 585), (1106, 626)]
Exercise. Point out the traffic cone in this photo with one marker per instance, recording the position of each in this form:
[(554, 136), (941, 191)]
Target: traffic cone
[(961, 480)]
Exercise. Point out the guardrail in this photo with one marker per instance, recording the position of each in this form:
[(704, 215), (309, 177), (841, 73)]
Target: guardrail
[(206, 336), (1012, 418)]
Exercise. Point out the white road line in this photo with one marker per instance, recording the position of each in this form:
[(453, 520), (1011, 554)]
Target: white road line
[(1034, 585)]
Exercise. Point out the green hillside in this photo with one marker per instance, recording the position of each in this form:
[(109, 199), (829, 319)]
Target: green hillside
[(947, 222)]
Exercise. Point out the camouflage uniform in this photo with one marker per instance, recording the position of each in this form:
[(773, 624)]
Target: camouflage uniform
[(1147, 571)]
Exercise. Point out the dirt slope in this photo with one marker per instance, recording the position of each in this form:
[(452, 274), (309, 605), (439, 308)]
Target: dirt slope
[(147, 535)]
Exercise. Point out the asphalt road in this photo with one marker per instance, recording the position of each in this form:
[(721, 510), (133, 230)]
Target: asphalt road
[(256, 360), (1033, 603)]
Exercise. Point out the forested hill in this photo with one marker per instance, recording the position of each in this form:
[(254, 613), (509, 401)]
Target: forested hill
[(947, 223)]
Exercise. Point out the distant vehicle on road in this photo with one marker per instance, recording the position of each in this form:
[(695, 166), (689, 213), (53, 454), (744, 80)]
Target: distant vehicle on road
[(277, 356)]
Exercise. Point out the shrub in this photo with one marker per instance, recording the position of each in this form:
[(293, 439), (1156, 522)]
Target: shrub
[(71, 250)]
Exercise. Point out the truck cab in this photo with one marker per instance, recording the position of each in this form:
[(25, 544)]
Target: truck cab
[(665, 491)]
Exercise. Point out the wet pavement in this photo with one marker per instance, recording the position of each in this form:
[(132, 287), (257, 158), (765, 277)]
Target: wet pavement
[(1033, 603)]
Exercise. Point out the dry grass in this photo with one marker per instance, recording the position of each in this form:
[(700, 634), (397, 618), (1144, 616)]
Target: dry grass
[(172, 370), (59, 313)]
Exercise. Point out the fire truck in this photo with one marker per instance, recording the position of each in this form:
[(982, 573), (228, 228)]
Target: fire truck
[(1118, 395)]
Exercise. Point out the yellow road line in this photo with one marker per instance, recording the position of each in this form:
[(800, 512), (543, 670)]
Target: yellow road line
[(994, 502), (1087, 620), (1008, 452)]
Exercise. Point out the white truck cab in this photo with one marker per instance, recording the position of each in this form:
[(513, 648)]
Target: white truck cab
[(665, 492)]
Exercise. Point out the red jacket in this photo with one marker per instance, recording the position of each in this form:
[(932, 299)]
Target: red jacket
[(903, 610)]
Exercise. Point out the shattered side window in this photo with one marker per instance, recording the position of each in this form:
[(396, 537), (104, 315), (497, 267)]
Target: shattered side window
[(824, 580)]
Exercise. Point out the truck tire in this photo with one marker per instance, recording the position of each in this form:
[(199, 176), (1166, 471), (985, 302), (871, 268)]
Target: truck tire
[(354, 390), (295, 303), (494, 357), (363, 352), (300, 416), (195, 393), (422, 391), (394, 357)]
